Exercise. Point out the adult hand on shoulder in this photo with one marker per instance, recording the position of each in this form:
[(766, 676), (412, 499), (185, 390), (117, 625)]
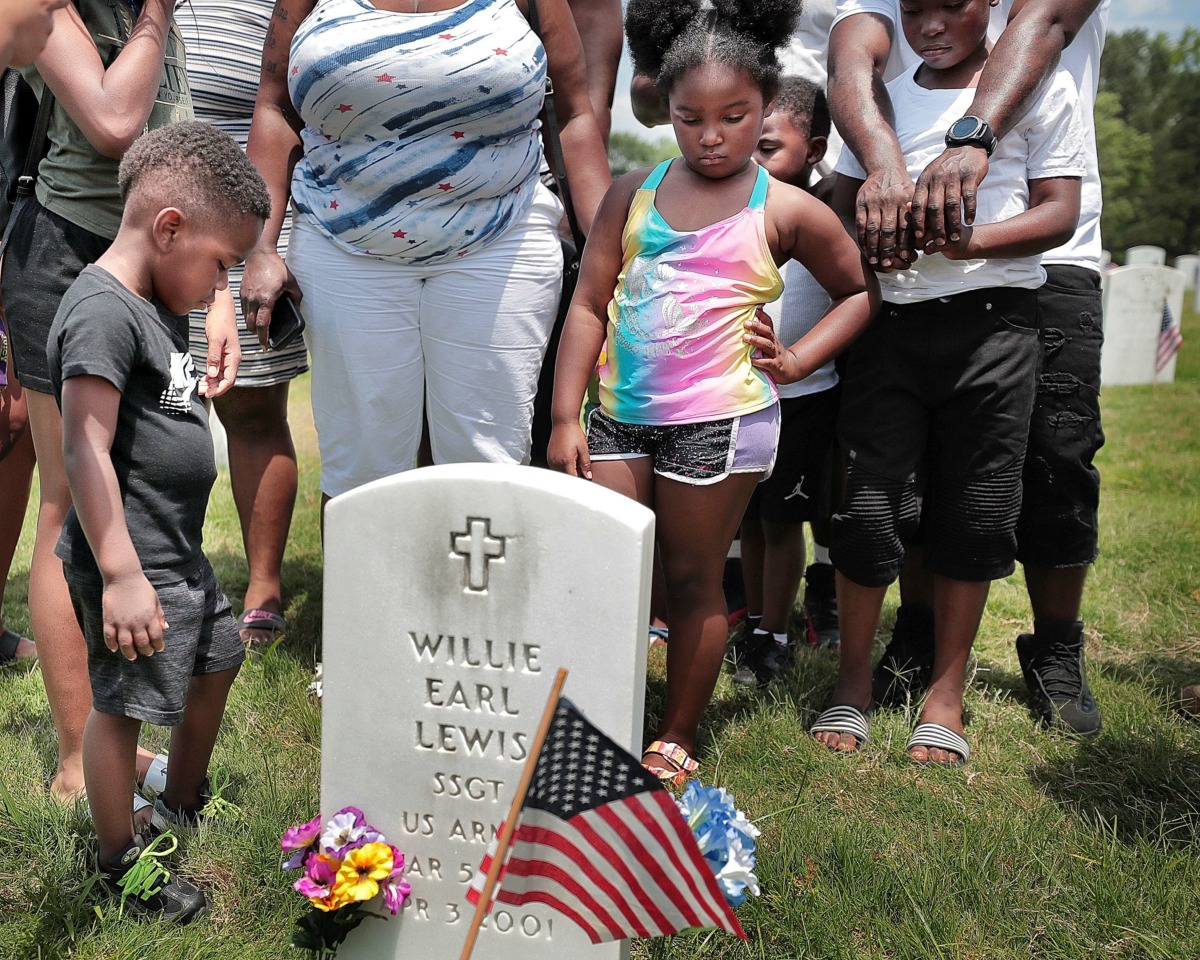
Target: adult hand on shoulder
[(943, 201), (265, 279), (881, 217), (568, 451), (133, 619)]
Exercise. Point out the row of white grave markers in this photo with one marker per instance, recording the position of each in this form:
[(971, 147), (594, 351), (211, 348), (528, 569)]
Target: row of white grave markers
[(1146, 255), (1138, 301), (452, 596)]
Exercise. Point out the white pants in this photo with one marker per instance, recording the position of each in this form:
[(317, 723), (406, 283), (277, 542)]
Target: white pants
[(464, 339)]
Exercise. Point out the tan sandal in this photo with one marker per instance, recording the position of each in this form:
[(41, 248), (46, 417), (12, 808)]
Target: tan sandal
[(683, 766)]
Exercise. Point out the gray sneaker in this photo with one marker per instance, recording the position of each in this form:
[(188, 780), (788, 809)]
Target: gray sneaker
[(1052, 662), (146, 887)]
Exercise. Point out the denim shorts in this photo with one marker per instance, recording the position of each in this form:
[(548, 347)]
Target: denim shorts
[(201, 638), (693, 453)]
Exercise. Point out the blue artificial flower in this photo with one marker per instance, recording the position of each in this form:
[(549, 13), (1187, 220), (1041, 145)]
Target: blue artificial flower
[(725, 837)]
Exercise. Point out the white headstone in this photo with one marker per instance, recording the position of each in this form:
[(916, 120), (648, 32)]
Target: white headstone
[(1134, 302), (1145, 254), (1189, 266), (452, 595)]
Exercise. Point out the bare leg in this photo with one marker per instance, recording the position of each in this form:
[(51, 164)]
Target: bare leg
[(957, 609), (60, 643), (783, 568), (658, 594), (600, 26), (262, 470), (916, 582), (696, 525), (61, 648), (858, 612), (109, 747), (16, 475), (1055, 593), (754, 553), (192, 740)]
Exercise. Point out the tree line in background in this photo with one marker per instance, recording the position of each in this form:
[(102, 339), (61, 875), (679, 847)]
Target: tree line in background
[(1148, 137), (1147, 134)]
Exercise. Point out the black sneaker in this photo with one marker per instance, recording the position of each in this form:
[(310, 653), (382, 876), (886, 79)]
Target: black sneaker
[(906, 667), (148, 888), (747, 650), (1052, 662), (820, 600), (772, 661)]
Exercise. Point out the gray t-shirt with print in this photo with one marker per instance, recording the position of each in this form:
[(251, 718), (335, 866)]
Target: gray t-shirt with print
[(162, 449)]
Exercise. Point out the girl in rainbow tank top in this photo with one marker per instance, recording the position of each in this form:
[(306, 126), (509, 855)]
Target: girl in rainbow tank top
[(677, 264)]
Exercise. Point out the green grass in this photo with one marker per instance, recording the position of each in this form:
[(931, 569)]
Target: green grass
[(1040, 847)]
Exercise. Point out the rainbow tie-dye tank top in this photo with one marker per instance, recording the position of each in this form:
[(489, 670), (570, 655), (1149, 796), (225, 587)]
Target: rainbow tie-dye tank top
[(674, 351)]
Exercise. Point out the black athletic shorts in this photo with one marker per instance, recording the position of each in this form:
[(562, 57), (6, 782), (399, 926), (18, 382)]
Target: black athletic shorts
[(45, 254), (797, 491)]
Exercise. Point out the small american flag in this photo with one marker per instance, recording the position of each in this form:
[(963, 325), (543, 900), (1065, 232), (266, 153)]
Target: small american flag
[(1169, 339), (604, 844)]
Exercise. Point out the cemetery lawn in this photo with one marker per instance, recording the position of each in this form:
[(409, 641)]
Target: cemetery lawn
[(1041, 846)]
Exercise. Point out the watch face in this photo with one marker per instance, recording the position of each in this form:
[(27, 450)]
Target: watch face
[(964, 128)]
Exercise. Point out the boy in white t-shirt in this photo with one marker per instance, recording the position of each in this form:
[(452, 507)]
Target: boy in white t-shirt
[(1058, 530), (938, 393)]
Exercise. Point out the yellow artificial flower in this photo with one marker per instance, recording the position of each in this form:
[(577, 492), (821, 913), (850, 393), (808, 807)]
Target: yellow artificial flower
[(361, 870)]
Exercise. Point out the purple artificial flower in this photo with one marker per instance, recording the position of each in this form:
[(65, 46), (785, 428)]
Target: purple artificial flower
[(366, 834), (308, 888), (305, 835), (319, 874), (320, 869), (300, 840), (395, 889), (360, 818), (344, 828)]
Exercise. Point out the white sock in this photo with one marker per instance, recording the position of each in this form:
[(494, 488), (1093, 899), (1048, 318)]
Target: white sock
[(820, 554), (780, 639)]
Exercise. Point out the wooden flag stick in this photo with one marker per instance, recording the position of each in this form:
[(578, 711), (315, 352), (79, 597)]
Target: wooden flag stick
[(514, 814)]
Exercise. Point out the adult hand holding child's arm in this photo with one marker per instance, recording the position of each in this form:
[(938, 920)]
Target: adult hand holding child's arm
[(133, 619)]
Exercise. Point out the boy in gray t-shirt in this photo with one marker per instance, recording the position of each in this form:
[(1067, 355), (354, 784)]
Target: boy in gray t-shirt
[(162, 643)]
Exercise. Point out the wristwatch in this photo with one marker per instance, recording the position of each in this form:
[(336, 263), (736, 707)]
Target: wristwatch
[(971, 132)]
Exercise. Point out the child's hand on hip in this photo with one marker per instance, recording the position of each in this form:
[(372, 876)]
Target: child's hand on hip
[(568, 451), (773, 358), (133, 619)]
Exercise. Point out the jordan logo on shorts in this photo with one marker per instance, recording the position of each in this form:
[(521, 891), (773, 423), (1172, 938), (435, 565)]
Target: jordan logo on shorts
[(798, 492), (177, 398)]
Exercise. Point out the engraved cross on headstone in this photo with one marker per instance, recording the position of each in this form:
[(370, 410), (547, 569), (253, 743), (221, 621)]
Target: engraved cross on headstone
[(477, 546)]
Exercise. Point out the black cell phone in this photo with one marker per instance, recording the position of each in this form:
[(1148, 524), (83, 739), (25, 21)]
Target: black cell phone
[(287, 323)]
